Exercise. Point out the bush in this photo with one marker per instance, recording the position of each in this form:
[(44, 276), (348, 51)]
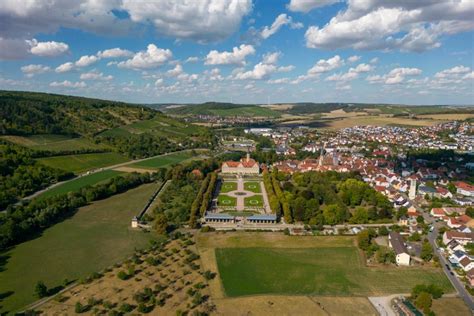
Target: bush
[(122, 275), (41, 290), (126, 308), (207, 229), (79, 308), (209, 275)]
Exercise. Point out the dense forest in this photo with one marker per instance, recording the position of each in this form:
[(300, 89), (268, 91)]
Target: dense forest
[(21, 175), (327, 198)]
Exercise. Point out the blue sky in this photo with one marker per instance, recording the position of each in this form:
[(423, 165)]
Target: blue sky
[(377, 51)]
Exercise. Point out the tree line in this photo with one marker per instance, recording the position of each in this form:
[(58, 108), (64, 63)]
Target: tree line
[(25, 221), (21, 175)]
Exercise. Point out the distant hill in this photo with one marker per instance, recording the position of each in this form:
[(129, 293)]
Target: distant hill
[(220, 109), (27, 113)]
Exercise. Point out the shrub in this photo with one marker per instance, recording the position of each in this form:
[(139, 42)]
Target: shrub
[(209, 275), (122, 275), (126, 308), (41, 290), (79, 308)]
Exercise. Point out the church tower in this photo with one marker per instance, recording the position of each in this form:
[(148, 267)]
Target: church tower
[(412, 192)]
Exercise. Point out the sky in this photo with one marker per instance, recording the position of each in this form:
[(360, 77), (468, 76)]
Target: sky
[(241, 51)]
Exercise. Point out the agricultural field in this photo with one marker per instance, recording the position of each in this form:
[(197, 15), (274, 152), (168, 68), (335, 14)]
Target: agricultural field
[(80, 182), (450, 117), (97, 236), (228, 186), (160, 126), (377, 121), (83, 162), (252, 186), (160, 281), (253, 201), (225, 200), (253, 264), (54, 142), (164, 161)]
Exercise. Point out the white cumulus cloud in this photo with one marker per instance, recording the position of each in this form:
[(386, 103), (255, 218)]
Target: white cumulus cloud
[(325, 65), (68, 84), (48, 49), (281, 20), (86, 60), (153, 57), (235, 57), (95, 75), (114, 53), (31, 70), (66, 67), (308, 5)]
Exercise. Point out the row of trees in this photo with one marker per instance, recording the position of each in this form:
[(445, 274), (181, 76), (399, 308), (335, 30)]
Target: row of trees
[(195, 207), (272, 198), (21, 175), (24, 221), (285, 206), (207, 197)]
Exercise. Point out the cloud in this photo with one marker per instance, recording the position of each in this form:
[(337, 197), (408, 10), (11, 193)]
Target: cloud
[(326, 65), (271, 58), (202, 21), (11, 49), (374, 60), (153, 57), (48, 49), (86, 60), (308, 5), (395, 76), (178, 70), (95, 75), (351, 74), (260, 71), (353, 59), (68, 84), (31, 70), (114, 53), (280, 21), (392, 24), (455, 71), (192, 59), (66, 67), (235, 57)]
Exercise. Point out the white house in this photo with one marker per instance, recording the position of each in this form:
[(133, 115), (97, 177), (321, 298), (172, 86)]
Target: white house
[(396, 242), (464, 188)]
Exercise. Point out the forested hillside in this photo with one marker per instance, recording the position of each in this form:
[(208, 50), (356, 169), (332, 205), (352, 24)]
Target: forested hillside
[(27, 113)]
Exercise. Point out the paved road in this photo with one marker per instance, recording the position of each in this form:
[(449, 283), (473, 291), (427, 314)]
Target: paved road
[(98, 170), (458, 285)]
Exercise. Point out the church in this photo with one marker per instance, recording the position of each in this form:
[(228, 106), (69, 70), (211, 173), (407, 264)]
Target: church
[(246, 165)]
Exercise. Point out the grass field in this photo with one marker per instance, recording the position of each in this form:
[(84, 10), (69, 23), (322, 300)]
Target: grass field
[(252, 187), (97, 236), (450, 306), (164, 160), (84, 162), (228, 187), (271, 263), (78, 183), (225, 200), (242, 213), (53, 142), (255, 201)]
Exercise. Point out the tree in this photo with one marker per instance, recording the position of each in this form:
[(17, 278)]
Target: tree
[(360, 216), (41, 290), (415, 237), (161, 224), (426, 251), (383, 231), (363, 239), (402, 211), (470, 211), (424, 301)]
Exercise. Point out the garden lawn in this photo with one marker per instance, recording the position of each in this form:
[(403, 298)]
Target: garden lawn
[(252, 187), (96, 237), (164, 160), (225, 200), (228, 186), (78, 183), (81, 163), (315, 271), (253, 201)]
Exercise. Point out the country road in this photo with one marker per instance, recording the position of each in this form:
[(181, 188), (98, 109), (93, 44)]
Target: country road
[(99, 170)]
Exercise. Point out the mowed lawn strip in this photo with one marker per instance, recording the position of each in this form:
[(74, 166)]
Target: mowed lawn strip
[(53, 142), (228, 186), (96, 237), (84, 162), (163, 161), (252, 187), (314, 271), (80, 182)]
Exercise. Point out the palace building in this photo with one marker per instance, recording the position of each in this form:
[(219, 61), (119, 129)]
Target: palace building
[(246, 165)]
